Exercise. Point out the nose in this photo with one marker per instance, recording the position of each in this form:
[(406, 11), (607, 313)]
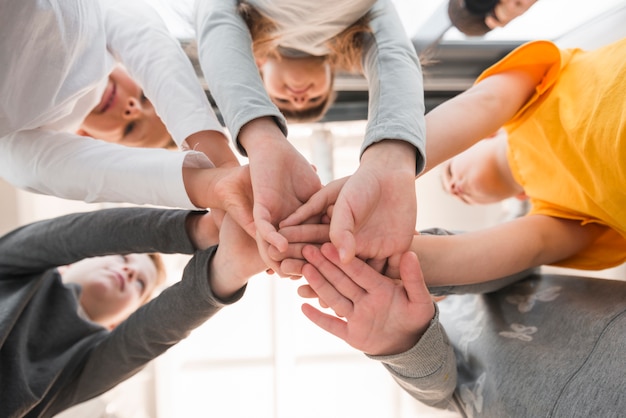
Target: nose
[(299, 99), (132, 109), (131, 273)]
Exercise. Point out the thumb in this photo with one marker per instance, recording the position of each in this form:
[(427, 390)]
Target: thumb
[(413, 278)]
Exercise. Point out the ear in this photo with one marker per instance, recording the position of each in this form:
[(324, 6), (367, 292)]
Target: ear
[(63, 269), (521, 196)]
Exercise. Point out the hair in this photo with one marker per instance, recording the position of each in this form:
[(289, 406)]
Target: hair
[(157, 259), (346, 51), (468, 16)]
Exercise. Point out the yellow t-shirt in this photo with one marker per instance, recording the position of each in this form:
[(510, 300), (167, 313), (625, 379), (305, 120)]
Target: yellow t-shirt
[(567, 145)]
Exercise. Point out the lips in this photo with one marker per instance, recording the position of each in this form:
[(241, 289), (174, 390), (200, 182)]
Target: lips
[(108, 98), (120, 280)]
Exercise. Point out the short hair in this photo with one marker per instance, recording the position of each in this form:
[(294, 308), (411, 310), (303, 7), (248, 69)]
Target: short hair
[(468, 16)]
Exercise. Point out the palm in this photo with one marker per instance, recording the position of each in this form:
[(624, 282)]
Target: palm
[(374, 216)]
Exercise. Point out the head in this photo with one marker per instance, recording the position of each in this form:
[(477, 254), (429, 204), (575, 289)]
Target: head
[(477, 17), (125, 116), (114, 286), (302, 86), (481, 174)]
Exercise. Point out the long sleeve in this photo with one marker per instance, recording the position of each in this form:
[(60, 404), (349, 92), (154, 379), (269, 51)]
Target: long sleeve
[(427, 371), (73, 167), (42, 245), (152, 329), (138, 37), (228, 65), (396, 88)]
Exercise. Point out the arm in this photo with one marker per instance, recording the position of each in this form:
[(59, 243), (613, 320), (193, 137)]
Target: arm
[(156, 60), (476, 114), (64, 240), (230, 69), (212, 279), (394, 322), (374, 213), (73, 167), (502, 250)]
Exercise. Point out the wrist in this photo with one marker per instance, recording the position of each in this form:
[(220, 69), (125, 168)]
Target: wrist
[(259, 133), (391, 154), (224, 279)]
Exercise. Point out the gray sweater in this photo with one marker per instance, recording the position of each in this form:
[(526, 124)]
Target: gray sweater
[(51, 356), (547, 346)]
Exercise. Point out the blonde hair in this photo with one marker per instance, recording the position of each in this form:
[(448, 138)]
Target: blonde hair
[(346, 52), (157, 259)]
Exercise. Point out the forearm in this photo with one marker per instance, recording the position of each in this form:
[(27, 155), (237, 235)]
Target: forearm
[(73, 167), (215, 146), (63, 240), (475, 114), (428, 370), (395, 82), (503, 250), (157, 61), (230, 68)]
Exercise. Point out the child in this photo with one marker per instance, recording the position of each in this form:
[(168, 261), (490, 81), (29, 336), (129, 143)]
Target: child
[(67, 334), (477, 17), (300, 42), (562, 111), (546, 346), (65, 78)]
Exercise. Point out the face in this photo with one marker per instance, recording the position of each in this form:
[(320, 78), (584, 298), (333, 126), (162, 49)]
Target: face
[(507, 10), (125, 116), (296, 83), (475, 175), (112, 286)]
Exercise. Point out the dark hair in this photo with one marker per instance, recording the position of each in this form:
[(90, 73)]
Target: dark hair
[(468, 16)]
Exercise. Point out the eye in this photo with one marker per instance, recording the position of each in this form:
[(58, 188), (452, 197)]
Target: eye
[(141, 283), (143, 97), (315, 100), (281, 101)]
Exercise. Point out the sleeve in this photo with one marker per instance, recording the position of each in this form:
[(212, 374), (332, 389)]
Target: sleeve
[(59, 241), (138, 37), (229, 67), (152, 329), (78, 168), (396, 87), (428, 371)]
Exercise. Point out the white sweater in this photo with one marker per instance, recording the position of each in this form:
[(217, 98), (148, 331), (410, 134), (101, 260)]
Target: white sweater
[(53, 73)]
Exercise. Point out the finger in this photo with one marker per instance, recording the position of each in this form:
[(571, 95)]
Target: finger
[(292, 266), (377, 264), (333, 273), (325, 290), (345, 243), (307, 292), (329, 323), (413, 278), (266, 232), (361, 275), (314, 207), (293, 251), (312, 233), (393, 266)]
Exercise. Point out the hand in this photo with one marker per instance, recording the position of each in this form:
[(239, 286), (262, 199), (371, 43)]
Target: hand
[(373, 212), (382, 316), (236, 260), (282, 180), (292, 260), (228, 189)]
